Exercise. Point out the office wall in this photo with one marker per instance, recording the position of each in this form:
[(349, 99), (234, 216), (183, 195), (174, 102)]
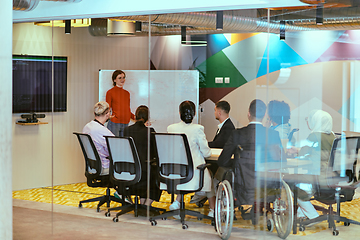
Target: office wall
[(306, 74), (39, 151), (318, 75)]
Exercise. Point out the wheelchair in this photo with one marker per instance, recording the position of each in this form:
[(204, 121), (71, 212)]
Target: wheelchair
[(279, 205)]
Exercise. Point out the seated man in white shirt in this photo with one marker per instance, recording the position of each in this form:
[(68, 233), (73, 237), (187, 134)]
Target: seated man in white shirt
[(97, 131)]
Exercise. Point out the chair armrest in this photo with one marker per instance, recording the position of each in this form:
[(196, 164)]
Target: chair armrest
[(203, 166)]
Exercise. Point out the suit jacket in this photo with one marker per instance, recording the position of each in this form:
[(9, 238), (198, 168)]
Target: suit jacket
[(251, 146), (199, 149), (138, 132), (223, 135)]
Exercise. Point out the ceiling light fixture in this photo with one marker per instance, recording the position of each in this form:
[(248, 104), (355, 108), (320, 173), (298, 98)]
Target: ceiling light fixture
[(319, 14), (282, 30), (183, 34), (138, 26), (67, 26), (219, 20), (194, 40)]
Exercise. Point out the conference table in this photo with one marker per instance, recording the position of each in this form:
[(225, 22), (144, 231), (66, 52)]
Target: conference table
[(291, 166), (292, 170)]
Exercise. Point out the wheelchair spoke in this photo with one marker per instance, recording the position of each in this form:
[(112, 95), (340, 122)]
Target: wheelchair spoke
[(224, 208), (283, 211)]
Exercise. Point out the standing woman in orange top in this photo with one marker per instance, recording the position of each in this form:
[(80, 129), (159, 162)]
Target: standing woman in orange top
[(119, 101)]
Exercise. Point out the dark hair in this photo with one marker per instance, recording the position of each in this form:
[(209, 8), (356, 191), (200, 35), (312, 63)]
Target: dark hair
[(223, 105), (279, 112), (257, 109), (187, 111), (142, 113), (115, 74)]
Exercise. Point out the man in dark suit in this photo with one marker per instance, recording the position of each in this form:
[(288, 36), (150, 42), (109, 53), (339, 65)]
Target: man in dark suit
[(221, 112), (253, 147), (222, 109)]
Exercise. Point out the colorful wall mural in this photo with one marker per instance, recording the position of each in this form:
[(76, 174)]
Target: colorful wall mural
[(309, 70)]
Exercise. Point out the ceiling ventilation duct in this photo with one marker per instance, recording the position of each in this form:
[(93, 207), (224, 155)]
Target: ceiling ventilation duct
[(25, 5), (28, 5), (232, 22), (120, 28)]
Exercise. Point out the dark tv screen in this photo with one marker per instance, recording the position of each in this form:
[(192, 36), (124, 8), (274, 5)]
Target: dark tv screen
[(32, 84)]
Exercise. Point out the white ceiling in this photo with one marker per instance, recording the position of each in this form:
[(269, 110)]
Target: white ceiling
[(47, 10)]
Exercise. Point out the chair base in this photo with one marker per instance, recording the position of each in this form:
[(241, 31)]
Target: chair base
[(331, 217), (102, 200), (181, 212), (136, 207)]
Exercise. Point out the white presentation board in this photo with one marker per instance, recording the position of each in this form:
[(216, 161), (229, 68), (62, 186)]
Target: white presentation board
[(161, 90)]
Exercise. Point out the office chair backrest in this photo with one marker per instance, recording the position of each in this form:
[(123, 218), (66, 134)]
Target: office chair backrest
[(344, 165), (92, 158), (175, 160), (125, 167)]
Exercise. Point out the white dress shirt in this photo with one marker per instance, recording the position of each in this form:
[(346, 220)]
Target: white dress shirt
[(97, 131)]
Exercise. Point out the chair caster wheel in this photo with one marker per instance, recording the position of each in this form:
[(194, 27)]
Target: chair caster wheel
[(98, 209), (301, 228), (184, 226), (80, 205), (199, 218), (270, 225), (153, 223), (335, 232), (107, 214), (213, 224), (346, 224), (164, 218), (115, 219)]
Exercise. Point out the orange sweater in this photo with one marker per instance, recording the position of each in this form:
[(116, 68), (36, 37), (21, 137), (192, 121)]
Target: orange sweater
[(119, 101)]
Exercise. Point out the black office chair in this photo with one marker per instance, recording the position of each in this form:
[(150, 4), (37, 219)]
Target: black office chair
[(125, 172), (176, 168), (93, 172), (339, 184)]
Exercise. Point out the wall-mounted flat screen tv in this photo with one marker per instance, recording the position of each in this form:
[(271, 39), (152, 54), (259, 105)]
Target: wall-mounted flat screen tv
[(32, 83)]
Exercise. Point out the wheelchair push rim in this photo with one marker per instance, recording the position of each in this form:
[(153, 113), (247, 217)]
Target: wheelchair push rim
[(283, 211), (224, 210)]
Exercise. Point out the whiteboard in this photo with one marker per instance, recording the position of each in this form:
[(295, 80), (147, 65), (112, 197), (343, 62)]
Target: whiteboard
[(161, 90)]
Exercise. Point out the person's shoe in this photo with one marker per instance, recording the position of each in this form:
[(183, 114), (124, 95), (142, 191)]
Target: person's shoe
[(303, 219), (174, 206), (126, 199), (211, 213), (197, 198), (117, 195)]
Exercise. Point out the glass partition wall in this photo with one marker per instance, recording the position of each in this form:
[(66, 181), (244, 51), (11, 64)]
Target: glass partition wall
[(305, 75), (32, 158), (60, 78)]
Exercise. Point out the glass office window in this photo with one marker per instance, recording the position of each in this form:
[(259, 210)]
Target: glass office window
[(286, 57)]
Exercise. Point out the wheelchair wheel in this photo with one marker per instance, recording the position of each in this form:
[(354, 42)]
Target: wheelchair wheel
[(224, 210), (283, 214)]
